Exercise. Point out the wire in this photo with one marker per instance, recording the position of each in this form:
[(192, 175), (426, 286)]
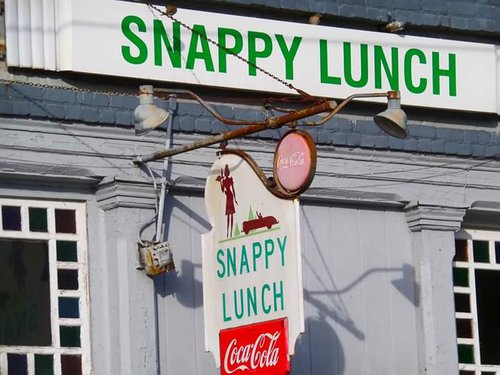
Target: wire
[(9, 82), (155, 216)]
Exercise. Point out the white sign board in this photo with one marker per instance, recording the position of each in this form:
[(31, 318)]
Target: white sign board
[(130, 40), (251, 257)]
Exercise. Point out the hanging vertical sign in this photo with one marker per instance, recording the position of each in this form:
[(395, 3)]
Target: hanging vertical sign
[(252, 281)]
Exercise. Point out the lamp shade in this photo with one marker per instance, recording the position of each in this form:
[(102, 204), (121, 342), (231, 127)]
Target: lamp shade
[(393, 119), (147, 115)]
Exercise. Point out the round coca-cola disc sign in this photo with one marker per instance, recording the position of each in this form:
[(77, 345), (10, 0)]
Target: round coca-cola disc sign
[(295, 161)]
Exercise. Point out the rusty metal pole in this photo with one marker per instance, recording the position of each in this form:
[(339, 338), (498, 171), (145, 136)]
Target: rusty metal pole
[(326, 106)]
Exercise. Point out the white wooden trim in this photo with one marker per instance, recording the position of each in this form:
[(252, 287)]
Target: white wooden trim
[(472, 266), (81, 293)]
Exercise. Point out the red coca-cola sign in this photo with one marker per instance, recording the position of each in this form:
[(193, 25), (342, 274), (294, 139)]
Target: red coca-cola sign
[(295, 161), (260, 349)]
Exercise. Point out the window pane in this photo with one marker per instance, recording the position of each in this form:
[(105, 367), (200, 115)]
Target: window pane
[(44, 364), (69, 336), (67, 279), (464, 328), (488, 310), (71, 364), (65, 221), (497, 251), (481, 252), (24, 293), (11, 218), (66, 251), (465, 353), (17, 364), (461, 254), (460, 277), (69, 307), (462, 302), (38, 219)]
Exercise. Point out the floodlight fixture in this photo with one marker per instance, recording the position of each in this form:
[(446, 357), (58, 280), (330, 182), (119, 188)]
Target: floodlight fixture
[(147, 115)]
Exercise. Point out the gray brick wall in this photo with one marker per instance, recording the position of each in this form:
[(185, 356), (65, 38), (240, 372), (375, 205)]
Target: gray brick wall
[(479, 17), (344, 130)]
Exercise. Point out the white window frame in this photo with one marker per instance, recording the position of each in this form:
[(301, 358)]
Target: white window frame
[(82, 293), (475, 235)]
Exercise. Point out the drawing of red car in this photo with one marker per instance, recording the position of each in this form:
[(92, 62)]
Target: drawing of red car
[(259, 222)]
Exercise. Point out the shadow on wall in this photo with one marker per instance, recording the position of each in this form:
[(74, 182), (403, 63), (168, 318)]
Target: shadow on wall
[(181, 284), (329, 360)]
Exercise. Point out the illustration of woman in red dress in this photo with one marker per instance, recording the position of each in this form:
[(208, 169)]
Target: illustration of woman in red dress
[(227, 187)]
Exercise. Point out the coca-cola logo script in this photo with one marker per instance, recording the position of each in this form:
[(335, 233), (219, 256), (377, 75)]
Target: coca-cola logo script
[(260, 348), (295, 161)]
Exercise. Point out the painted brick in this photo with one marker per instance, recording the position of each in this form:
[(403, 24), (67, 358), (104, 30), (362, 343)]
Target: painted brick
[(382, 142), (464, 149), (203, 125), (21, 108), (488, 11), (429, 19), (459, 22), (122, 101), (90, 114), (452, 134), (478, 150), (331, 8), (218, 127), (461, 8), (23, 92), (422, 131), (6, 107), (451, 147), (366, 127), (60, 96), (226, 111), (339, 138), (492, 151), (353, 139), (95, 99), (367, 141), (395, 143), (352, 11), (419, 12), (74, 112), (186, 123), (377, 14), (324, 137), (387, 4), (124, 118), (317, 6), (434, 6), (56, 111), (194, 109), (3, 90), (106, 116), (340, 123), (424, 145), (267, 134), (477, 136), (437, 146), (38, 109), (407, 4), (410, 145)]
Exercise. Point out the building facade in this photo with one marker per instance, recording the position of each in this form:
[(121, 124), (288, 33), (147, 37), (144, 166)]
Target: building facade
[(400, 237)]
